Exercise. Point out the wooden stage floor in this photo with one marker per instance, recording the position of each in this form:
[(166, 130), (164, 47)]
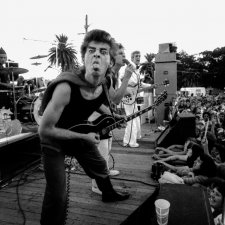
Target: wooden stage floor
[(21, 200)]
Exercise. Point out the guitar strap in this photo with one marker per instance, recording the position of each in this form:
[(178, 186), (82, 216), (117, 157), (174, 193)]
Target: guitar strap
[(107, 95)]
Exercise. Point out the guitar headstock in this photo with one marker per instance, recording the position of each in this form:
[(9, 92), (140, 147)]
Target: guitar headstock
[(161, 98)]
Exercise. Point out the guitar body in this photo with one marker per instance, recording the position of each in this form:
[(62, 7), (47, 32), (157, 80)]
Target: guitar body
[(130, 99), (96, 126), (105, 123)]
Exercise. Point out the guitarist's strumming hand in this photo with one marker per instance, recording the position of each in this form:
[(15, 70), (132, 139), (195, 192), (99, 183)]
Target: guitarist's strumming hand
[(93, 138)]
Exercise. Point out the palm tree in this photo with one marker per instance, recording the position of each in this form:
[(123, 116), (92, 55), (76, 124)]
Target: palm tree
[(147, 68), (66, 54)]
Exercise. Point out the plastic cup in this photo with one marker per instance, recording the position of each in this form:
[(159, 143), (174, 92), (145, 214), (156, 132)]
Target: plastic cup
[(162, 208)]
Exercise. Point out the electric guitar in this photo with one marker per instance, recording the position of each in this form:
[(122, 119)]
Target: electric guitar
[(105, 123), (130, 99)]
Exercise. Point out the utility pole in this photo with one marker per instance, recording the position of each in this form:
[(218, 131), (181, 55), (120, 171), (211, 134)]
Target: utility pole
[(86, 25)]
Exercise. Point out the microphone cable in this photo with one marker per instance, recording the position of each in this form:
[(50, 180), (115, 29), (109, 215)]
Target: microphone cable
[(68, 191)]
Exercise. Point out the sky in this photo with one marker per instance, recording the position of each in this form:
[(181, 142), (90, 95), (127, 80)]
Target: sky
[(28, 27)]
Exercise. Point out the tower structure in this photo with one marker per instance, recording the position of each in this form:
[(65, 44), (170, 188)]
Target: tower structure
[(165, 69)]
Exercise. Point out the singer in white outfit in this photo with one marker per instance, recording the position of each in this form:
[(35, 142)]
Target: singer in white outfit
[(133, 128)]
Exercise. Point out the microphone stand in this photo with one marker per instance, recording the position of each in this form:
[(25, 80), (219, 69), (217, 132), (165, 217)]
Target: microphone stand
[(14, 97)]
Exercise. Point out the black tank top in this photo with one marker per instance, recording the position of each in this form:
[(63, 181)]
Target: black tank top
[(79, 109)]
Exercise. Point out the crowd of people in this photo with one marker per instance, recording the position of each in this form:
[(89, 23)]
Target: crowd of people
[(200, 161)]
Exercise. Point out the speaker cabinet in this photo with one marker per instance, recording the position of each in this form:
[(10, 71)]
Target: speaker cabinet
[(177, 132), (182, 208)]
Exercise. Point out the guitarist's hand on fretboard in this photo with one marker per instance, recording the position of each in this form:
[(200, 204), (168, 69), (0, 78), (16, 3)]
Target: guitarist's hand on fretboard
[(121, 118)]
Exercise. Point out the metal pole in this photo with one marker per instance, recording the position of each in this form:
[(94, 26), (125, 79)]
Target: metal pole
[(86, 24), (56, 52), (14, 97)]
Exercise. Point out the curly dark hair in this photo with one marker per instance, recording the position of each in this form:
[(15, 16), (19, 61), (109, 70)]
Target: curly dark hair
[(197, 150), (99, 36), (208, 166), (206, 113), (219, 184)]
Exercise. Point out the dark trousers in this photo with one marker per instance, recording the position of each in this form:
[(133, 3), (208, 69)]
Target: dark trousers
[(54, 203)]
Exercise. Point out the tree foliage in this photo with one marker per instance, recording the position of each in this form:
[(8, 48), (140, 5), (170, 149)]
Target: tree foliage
[(66, 54), (148, 67), (206, 69)]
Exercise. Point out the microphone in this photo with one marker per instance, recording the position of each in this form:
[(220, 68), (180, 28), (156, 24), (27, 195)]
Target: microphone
[(126, 61)]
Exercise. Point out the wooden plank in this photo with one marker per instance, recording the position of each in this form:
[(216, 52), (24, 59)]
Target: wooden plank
[(11, 139)]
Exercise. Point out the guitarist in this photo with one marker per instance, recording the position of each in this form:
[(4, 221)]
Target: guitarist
[(133, 128), (69, 100)]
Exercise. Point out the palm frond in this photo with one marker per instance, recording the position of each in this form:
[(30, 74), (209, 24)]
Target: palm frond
[(66, 53)]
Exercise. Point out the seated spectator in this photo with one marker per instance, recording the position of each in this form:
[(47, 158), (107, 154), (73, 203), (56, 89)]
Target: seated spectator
[(216, 194), (193, 108), (203, 168), (216, 146), (181, 106), (188, 104), (176, 157), (161, 152), (221, 120), (188, 159)]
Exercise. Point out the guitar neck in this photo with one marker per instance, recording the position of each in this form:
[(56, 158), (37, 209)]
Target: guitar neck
[(127, 119), (159, 100)]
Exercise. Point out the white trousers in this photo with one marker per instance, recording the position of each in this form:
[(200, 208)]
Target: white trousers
[(104, 148), (133, 128), (147, 103)]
